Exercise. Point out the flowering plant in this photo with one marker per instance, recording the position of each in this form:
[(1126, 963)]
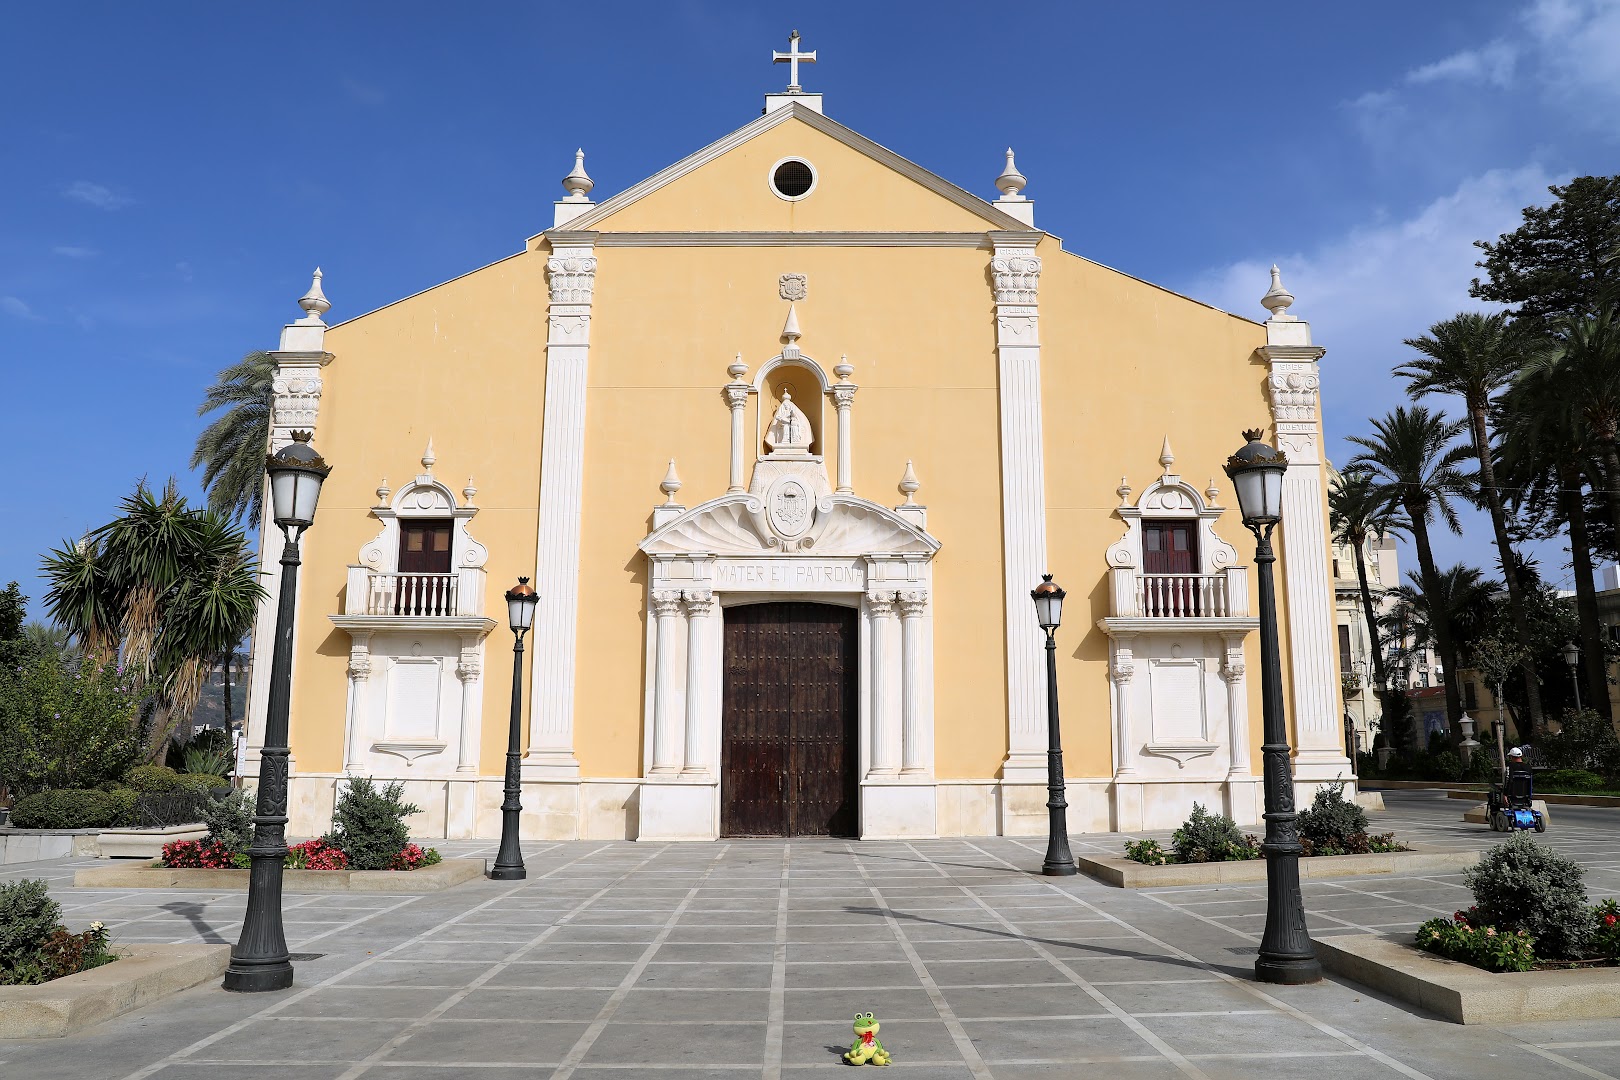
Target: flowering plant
[(198, 855), (1459, 939), (412, 857), (316, 855), (1606, 930), (1146, 851)]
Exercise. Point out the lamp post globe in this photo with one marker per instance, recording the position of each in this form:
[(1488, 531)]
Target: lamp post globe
[(1572, 657), (1286, 954), (521, 600), (259, 960), (1048, 597)]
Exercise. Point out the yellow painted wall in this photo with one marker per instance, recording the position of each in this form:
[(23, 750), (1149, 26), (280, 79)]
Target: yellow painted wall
[(464, 364)]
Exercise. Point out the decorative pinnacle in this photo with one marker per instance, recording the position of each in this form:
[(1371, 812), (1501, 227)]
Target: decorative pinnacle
[(843, 369), (469, 491), (670, 484), (737, 369), (427, 456), (1253, 434), (383, 491), (1277, 299), (314, 302), (1212, 492), (1123, 491), (1011, 181), (909, 484), (790, 334), (1167, 457), (578, 183)]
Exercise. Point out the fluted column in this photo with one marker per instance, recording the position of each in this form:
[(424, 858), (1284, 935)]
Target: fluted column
[(666, 608), (736, 394), (470, 669), (699, 609), (913, 603), (359, 681), (1124, 667), (843, 395), (1237, 707), (880, 605)]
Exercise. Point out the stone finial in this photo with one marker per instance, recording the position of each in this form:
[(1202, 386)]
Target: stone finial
[(790, 333), (1212, 492), (1277, 299), (1011, 181), (843, 369), (670, 484), (1167, 456), (428, 457), (314, 302), (909, 485), (1123, 491), (383, 491), (737, 369), (469, 491), (578, 182)]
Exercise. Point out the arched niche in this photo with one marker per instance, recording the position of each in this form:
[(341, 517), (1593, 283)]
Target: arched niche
[(801, 377)]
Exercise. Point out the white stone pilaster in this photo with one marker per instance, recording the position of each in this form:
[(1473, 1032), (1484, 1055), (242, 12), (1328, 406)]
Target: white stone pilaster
[(736, 394), (1016, 269), (470, 670), (667, 610), (359, 700), (571, 270), (913, 604), (1121, 670), (700, 605), (1233, 672), (1294, 384), (843, 395), (880, 607)]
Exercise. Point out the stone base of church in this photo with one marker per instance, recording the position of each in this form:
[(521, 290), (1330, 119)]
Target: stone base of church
[(688, 808)]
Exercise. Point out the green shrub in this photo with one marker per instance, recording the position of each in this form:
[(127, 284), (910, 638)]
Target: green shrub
[(1207, 837), (368, 823), (1584, 740), (1332, 821), (27, 916), (201, 783), (1146, 851), (1448, 766), (65, 723), (1522, 885), (1482, 946), (123, 804), (1605, 939), (209, 752), (158, 778), (230, 821), (66, 809), (1574, 781)]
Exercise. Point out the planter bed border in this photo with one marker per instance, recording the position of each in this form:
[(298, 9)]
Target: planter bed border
[(442, 875), (1465, 994), (1550, 798), (142, 975), (1125, 873)]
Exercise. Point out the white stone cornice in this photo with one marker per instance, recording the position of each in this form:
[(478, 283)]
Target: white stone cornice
[(831, 238)]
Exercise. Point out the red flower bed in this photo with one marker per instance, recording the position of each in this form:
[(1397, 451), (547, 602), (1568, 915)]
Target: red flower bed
[(316, 855), (412, 857), (198, 855)]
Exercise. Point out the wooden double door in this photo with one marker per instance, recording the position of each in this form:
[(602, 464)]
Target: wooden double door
[(790, 721)]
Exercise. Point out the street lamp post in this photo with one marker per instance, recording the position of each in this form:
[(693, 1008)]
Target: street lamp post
[(1572, 657), (259, 962), (1286, 954), (1048, 597), (521, 600)]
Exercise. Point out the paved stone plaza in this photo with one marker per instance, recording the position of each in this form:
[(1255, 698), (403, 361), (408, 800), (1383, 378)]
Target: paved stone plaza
[(750, 957)]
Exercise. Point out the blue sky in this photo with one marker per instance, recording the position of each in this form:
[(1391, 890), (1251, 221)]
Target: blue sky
[(174, 172)]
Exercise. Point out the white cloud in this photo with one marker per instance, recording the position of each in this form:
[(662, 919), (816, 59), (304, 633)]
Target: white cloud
[(1491, 64), (97, 195), (14, 307), (1367, 290), (75, 251), (1579, 41)]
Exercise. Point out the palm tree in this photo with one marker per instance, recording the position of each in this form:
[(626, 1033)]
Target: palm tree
[(1413, 460), (232, 448), (1473, 356), (166, 588), (1462, 601), (1358, 513), (1584, 359)]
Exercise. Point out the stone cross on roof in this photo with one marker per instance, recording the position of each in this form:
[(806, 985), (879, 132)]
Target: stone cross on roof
[(792, 58)]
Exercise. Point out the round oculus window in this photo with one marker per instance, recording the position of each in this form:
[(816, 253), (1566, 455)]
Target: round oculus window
[(793, 179)]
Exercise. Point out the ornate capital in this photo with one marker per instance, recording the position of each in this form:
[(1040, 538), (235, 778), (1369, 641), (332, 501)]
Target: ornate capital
[(297, 400), (881, 603), (699, 602), (573, 278), (736, 394), (666, 603), (1294, 391), (1123, 670), (843, 395), (1232, 670), (359, 665), (913, 602), (1017, 277), (470, 665)]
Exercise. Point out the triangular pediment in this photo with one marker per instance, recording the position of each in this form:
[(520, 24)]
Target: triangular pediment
[(737, 525), (860, 185)]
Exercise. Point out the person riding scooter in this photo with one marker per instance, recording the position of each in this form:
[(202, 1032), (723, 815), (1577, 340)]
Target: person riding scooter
[(1510, 804)]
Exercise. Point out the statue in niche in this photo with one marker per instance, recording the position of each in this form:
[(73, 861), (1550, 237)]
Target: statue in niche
[(789, 434)]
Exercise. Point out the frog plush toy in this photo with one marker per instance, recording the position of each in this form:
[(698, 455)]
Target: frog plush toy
[(867, 1049)]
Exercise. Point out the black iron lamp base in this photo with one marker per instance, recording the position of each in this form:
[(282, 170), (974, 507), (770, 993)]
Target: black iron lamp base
[(1288, 971), (507, 873), (246, 977), (1059, 869)]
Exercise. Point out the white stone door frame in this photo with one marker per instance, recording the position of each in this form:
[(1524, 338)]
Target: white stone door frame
[(687, 594)]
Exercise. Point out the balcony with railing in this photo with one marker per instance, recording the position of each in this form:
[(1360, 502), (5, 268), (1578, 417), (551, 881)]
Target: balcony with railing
[(1175, 598), (390, 595)]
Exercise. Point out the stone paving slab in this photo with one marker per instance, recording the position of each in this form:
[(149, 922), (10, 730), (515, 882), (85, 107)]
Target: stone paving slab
[(748, 958)]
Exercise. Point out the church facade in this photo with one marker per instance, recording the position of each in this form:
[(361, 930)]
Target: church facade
[(784, 435)]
